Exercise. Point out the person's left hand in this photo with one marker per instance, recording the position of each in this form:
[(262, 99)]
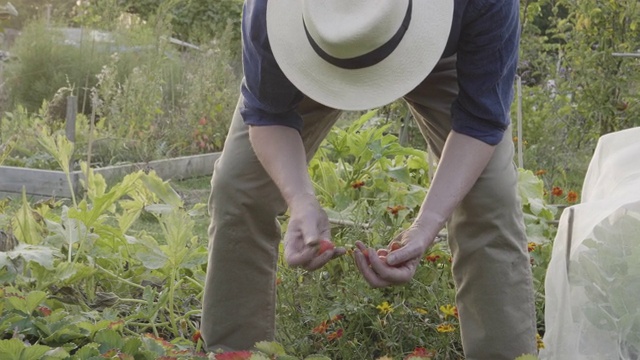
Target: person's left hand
[(399, 266)]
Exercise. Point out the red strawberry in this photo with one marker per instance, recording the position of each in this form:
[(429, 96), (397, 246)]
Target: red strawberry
[(395, 246), (324, 246), (382, 252)]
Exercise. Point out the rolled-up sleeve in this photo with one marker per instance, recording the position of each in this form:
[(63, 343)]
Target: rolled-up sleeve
[(486, 63), (269, 98)]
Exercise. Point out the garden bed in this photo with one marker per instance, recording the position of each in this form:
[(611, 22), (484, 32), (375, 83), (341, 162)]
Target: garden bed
[(54, 183)]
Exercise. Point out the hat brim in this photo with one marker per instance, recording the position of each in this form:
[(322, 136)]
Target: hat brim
[(415, 57)]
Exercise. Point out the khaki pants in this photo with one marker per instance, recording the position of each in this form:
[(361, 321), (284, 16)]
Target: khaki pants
[(486, 234)]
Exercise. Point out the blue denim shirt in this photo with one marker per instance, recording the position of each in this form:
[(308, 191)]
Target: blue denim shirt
[(484, 36)]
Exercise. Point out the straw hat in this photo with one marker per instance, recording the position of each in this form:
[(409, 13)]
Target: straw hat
[(357, 54)]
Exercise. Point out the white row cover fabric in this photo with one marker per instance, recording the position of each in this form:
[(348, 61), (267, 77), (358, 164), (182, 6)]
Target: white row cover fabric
[(592, 287)]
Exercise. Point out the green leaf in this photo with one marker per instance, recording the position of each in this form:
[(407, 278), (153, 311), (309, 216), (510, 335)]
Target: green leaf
[(26, 228), (89, 215), (57, 353), (400, 173), (30, 302), (270, 348), (14, 349), (95, 184), (132, 346), (67, 231), (148, 252), (40, 254), (529, 186), (34, 299), (162, 189), (57, 146), (108, 339), (153, 345), (527, 357), (11, 349), (63, 332), (34, 352), (87, 351)]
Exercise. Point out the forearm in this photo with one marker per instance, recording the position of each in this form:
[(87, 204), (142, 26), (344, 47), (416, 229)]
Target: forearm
[(463, 160), (282, 154)]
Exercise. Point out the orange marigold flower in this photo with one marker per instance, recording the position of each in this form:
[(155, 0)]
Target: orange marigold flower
[(395, 209), (335, 335), (196, 336), (278, 281), (541, 172), (556, 191), (531, 246), (421, 353), (572, 196), (445, 328), (321, 329), (45, 311), (432, 258), (357, 184), (515, 140), (337, 317), (234, 355)]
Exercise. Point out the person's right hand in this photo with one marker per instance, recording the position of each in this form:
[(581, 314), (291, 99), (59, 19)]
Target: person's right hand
[(308, 227)]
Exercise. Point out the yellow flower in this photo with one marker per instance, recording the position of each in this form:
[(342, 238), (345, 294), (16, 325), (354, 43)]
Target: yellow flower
[(445, 328), (385, 308), (449, 310), (539, 342), (421, 311)]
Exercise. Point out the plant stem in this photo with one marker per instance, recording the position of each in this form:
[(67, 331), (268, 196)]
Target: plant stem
[(172, 286), (139, 301), (194, 282), (148, 325), (119, 278)]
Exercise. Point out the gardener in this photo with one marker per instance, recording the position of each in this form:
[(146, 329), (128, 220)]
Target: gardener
[(454, 63)]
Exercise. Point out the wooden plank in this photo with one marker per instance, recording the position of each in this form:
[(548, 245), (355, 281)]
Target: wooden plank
[(54, 183), (168, 169), (34, 181)]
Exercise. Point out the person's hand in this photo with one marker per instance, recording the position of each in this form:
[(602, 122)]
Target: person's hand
[(399, 266), (307, 235)]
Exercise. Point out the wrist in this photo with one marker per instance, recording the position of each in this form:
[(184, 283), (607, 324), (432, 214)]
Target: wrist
[(294, 200), (429, 225)]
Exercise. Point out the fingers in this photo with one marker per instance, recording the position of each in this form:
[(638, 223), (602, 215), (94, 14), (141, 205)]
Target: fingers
[(311, 257), (363, 266), (299, 257), (377, 272), (410, 251), (320, 260)]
